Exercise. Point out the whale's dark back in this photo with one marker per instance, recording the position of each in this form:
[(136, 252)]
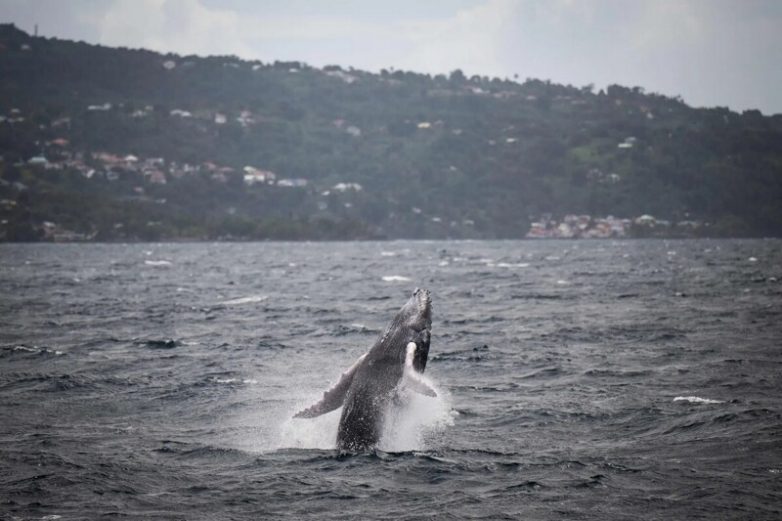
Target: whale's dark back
[(365, 405)]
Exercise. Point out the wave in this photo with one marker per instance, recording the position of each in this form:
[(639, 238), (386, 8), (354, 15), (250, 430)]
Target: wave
[(159, 343), (231, 381), (395, 278), (24, 349), (158, 263), (244, 300), (696, 400)]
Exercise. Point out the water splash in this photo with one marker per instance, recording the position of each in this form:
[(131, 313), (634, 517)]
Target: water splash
[(415, 420), (311, 433), (412, 423)]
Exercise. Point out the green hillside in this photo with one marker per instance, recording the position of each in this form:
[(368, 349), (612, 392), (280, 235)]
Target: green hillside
[(118, 144)]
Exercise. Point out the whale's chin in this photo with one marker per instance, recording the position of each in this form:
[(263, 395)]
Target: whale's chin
[(424, 300), (422, 318)]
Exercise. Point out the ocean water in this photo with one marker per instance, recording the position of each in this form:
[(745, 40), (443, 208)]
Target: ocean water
[(578, 380)]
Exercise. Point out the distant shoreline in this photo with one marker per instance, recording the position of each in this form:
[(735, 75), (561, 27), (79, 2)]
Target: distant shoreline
[(418, 239), (135, 146)]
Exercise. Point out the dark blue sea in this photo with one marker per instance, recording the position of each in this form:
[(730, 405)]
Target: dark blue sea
[(577, 380)]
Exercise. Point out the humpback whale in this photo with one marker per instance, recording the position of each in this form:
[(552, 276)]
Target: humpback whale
[(365, 391)]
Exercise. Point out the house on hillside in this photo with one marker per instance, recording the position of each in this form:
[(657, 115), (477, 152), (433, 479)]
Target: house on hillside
[(254, 175), (181, 113), (645, 220), (345, 187), (342, 75), (38, 161), (246, 118), (293, 183), (155, 176)]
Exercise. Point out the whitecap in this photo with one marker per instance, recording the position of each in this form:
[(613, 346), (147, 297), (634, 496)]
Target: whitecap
[(395, 278), (512, 265), (157, 263), (246, 381), (244, 300), (388, 254), (696, 399), (36, 349)]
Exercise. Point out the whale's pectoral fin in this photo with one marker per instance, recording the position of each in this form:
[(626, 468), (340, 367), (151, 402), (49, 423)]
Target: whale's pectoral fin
[(417, 384), (334, 397)]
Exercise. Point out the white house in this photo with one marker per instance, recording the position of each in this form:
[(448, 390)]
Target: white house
[(344, 187)]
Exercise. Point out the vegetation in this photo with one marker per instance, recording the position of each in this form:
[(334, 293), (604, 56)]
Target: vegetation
[(434, 156)]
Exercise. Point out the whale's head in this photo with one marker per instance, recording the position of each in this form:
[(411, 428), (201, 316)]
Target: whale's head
[(415, 317), (417, 312)]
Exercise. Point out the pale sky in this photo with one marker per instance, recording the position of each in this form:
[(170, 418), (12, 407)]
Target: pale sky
[(710, 52)]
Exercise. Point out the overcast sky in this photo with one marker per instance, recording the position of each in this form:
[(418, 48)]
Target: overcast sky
[(711, 52)]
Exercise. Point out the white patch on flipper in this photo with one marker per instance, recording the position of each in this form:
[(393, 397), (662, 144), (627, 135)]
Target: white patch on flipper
[(412, 378), (410, 355)]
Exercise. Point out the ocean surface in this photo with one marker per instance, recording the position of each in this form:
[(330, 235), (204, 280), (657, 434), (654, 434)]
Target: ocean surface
[(578, 380)]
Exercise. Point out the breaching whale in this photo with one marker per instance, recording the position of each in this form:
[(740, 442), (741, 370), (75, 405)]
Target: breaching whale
[(366, 389)]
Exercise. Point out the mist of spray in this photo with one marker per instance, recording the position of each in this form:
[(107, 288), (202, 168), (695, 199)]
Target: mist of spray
[(412, 423)]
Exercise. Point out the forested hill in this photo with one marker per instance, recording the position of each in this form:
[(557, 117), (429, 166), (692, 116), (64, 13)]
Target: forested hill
[(118, 144)]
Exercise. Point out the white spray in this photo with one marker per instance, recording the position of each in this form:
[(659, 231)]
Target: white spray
[(412, 423)]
